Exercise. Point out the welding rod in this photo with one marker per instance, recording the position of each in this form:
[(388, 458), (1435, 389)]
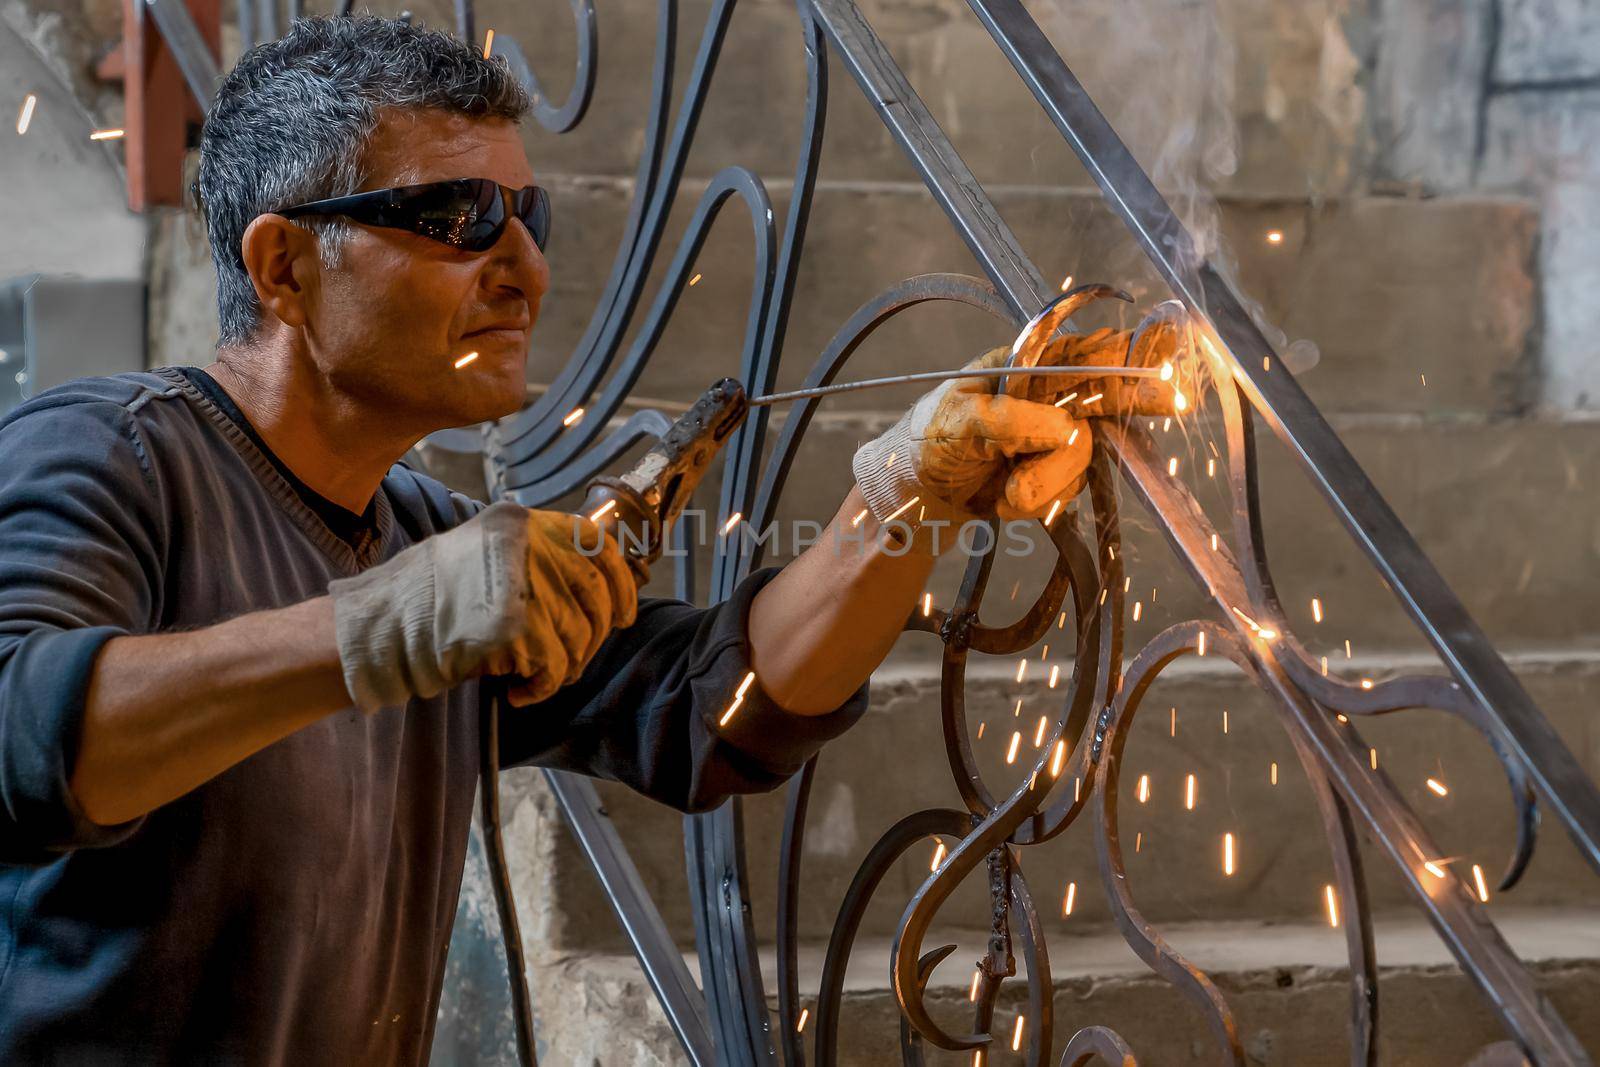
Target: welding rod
[(945, 375)]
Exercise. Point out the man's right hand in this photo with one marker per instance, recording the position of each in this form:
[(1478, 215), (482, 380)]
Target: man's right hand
[(531, 594)]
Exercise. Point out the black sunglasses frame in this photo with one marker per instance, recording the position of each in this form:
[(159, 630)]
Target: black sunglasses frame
[(476, 229)]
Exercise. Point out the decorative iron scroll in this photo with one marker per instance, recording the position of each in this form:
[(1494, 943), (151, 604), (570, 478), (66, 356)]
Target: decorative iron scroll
[(535, 458)]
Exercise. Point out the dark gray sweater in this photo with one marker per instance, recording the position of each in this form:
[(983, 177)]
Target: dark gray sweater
[(296, 908)]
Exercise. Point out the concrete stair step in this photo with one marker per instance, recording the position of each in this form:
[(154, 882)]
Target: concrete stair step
[(1291, 67), (1287, 984), (893, 763), (1453, 298)]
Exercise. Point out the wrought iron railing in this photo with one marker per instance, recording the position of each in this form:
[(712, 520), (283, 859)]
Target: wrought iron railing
[(535, 458)]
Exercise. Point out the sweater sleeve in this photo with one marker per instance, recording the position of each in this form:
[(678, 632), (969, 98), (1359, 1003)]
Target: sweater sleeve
[(647, 710), (79, 565)]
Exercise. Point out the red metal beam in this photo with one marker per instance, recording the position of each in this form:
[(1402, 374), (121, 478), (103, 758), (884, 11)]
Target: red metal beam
[(158, 106)]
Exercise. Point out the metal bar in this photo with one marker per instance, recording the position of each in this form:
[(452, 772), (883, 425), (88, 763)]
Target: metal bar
[(947, 177), (636, 910), (1085, 371), (1273, 391), (195, 59)]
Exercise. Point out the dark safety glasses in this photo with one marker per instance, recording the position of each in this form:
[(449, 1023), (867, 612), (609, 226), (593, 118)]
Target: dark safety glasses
[(465, 213)]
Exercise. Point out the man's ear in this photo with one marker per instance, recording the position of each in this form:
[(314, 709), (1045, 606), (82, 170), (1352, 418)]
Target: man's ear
[(281, 259)]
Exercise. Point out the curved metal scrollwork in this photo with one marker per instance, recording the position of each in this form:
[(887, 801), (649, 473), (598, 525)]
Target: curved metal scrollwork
[(534, 458)]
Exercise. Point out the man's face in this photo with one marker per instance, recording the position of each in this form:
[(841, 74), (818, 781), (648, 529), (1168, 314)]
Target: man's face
[(388, 325)]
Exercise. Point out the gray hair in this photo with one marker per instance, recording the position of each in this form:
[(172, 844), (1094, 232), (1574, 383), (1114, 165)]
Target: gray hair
[(290, 124)]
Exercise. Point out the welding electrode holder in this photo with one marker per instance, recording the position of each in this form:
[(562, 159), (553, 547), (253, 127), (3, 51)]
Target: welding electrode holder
[(639, 506)]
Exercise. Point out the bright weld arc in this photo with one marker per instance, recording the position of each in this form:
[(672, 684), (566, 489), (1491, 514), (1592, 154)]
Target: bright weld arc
[(464, 360)]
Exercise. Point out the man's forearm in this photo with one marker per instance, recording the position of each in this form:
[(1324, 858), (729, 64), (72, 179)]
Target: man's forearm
[(820, 628), (168, 712)]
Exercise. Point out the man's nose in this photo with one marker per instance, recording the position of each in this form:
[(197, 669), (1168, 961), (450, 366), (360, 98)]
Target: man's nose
[(523, 263)]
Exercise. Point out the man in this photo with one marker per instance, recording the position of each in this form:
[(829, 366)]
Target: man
[(242, 650)]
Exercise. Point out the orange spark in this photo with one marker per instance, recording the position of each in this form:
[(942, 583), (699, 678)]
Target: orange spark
[(738, 698), (897, 512)]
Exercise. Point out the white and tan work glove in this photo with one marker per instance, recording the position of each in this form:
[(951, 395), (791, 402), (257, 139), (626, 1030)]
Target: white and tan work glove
[(964, 452), (510, 592)]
